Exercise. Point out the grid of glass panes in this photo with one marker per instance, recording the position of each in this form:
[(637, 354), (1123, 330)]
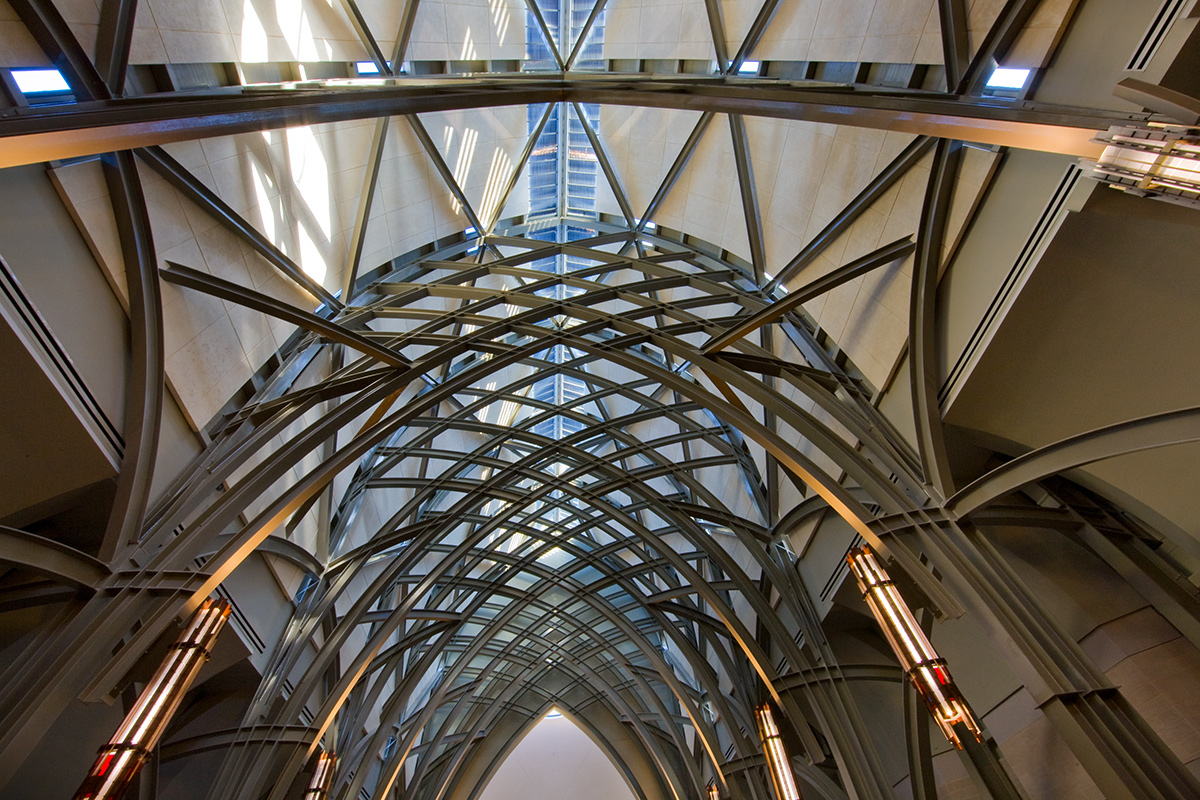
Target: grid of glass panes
[(558, 389), (582, 167), (537, 52), (543, 164), (591, 56)]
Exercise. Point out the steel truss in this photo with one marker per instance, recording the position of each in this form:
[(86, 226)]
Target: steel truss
[(622, 569)]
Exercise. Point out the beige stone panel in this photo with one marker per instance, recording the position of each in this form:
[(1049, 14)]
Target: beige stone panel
[(481, 147), (789, 32), (17, 47), (737, 238), (847, 48), (642, 143), (190, 47), (661, 29), (897, 49), (79, 11), (738, 16), (844, 19), (895, 17), (205, 16)]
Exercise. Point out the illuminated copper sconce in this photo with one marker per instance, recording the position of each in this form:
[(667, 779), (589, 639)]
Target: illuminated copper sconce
[(120, 759), (318, 787), (921, 663), (777, 760), (714, 793)]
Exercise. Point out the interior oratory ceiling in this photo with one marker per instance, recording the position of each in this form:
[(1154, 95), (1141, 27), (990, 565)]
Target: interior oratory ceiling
[(522, 376)]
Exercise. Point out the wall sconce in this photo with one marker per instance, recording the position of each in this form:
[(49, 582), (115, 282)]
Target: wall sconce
[(921, 663), (318, 787), (777, 761), (134, 741), (713, 792), (1160, 161)]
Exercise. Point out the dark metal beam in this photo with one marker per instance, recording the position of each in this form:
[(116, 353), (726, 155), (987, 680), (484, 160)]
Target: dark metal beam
[(359, 22), (113, 41), (443, 169), (716, 26), (1133, 436), (144, 389), (606, 166), (103, 126), (211, 285), (747, 189), (50, 559), (681, 160), (583, 34), (956, 48), (901, 248), (192, 188), (365, 198), (922, 321), (753, 36), (407, 17), (58, 42), (536, 11), (995, 45), (518, 168), (893, 172)]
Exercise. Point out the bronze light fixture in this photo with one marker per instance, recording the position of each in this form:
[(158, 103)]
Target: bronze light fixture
[(777, 759), (923, 666), (119, 761), (318, 787)]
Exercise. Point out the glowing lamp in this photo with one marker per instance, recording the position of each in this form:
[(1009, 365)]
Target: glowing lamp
[(120, 759), (777, 760), (318, 787), (1160, 161), (921, 663)]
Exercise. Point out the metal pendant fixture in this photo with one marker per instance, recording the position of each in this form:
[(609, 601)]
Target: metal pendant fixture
[(1160, 161), (119, 760), (777, 759), (318, 787), (923, 666)]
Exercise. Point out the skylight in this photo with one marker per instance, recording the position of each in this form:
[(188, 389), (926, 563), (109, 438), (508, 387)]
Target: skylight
[(1005, 78), (369, 67), (40, 81)]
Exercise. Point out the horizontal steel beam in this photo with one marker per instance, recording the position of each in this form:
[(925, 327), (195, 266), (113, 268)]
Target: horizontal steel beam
[(44, 134)]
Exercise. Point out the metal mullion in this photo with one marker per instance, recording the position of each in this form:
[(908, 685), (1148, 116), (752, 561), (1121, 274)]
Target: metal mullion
[(359, 23), (443, 169), (745, 177), (144, 395), (597, 7), (113, 42), (893, 172), (922, 330), (753, 36), (362, 217), (192, 188), (610, 174)]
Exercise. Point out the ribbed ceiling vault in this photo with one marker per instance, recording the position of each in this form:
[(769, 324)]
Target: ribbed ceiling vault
[(537, 456)]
